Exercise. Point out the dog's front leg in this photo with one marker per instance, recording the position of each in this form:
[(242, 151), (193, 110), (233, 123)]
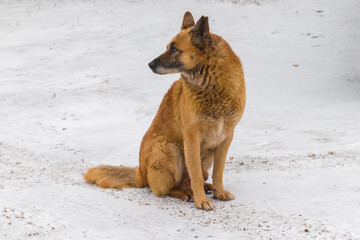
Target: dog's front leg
[(192, 141), (218, 170)]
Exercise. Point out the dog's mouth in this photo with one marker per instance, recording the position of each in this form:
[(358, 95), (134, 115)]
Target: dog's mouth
[(163, 70)]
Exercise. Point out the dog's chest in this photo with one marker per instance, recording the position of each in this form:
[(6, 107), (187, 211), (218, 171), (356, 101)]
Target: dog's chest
[(216, 104), (214, 133)]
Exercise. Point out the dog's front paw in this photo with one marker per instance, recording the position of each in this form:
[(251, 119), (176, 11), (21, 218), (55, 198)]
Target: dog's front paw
[(204, 204), (223, 195)]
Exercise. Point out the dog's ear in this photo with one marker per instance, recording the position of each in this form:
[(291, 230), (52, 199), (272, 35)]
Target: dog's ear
[(200, 35), (188, 21)]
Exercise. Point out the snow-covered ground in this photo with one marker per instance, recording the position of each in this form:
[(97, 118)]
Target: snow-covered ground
[(76, 92)]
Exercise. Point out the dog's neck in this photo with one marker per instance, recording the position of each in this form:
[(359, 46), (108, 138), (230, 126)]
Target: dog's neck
[(205, 77)]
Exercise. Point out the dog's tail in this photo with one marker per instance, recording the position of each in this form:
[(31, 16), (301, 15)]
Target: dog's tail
[(115, 177)]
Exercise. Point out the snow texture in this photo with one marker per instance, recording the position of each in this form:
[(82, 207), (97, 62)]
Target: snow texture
[(76, 92)]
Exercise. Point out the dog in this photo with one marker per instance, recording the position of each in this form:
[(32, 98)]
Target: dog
[(194, 125)]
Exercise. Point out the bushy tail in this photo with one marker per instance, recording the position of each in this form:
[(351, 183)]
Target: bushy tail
[(115, 177)]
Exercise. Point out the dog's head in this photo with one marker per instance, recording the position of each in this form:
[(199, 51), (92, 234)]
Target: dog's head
[(187, 50)]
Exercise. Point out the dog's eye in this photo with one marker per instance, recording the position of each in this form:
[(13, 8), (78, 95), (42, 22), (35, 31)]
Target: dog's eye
[(173, 49)]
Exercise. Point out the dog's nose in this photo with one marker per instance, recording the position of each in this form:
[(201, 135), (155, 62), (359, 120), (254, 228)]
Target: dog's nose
[(152, 64)]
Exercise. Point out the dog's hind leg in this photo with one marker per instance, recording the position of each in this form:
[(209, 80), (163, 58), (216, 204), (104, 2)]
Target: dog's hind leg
[(165, 168)]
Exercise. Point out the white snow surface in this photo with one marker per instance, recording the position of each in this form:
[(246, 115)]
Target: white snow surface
[(76, 92)]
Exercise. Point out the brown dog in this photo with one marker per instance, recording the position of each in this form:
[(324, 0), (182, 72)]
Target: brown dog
[(194, 125)]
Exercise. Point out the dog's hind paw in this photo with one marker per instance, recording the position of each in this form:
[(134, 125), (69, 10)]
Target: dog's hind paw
[(208, 188), (182, 194)]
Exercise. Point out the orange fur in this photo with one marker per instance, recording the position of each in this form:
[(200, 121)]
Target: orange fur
[(115, 177), (194, 125)]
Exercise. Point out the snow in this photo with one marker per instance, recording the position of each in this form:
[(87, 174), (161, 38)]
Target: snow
[(76, 92)]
